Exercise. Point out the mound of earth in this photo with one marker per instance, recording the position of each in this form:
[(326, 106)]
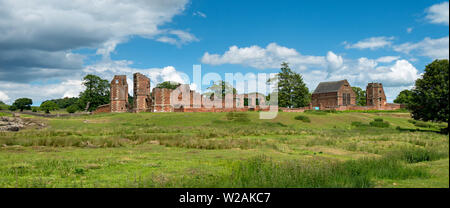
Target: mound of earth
[(16, 123)]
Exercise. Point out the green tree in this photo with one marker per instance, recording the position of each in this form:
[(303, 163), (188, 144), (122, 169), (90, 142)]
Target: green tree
[(429, 100), (96, 93), (168, 85), (65, 102), (221, 88), (72, 109), (23, 104), (48, 106), (292, 91), (360, 96), (404, 97)]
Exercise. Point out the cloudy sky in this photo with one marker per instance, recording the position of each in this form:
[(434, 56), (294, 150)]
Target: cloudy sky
[(47, 46)]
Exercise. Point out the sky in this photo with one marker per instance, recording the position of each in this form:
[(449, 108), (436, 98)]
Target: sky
[(48, 46)]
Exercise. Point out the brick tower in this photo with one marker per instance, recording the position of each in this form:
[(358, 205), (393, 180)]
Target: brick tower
[(375, 95), (119, 94), (141, 89)]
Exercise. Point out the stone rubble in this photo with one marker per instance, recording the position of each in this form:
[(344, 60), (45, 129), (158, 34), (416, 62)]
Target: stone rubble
[(16, 123)]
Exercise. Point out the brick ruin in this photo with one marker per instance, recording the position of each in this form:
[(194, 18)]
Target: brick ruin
[(181, 99), (375, 95), (336, 95), (142, 101), (119, 94)]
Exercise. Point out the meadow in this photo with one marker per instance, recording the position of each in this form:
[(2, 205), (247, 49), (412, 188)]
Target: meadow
[(311, 149)]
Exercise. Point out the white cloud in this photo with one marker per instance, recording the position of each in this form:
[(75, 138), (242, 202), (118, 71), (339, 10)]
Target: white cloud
[(438, 13), (43, 32), (4, 97), (199, 14), (433, 48), (262, 58), (177, 37), (370, 43), (387, 59), (107, 70), (334, 61)]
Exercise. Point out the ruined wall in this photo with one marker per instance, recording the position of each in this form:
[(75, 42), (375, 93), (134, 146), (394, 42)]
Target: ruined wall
[(161, 100), (119, 94), (375, 95), (102, 109), (142, 101)]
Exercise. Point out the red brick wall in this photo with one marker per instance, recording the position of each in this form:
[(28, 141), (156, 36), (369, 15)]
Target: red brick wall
[(141, 92), (103, 109), (119, 94)]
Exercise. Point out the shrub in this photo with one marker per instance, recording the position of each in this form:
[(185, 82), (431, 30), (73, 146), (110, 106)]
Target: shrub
[(358, 124), (12, 108), (379, 123), (72, 109), (35, 109), (303, 118)]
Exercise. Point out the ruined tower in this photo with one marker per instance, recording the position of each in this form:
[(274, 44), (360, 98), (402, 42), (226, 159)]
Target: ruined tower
[(375, 95), (119, 94), (141, 88)]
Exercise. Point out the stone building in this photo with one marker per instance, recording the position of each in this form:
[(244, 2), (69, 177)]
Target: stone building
[(333, 94), (375, 95), (142, 101), (119, 94)]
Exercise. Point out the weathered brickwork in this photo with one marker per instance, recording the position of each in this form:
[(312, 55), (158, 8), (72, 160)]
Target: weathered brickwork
[(375, 95), (142, 100), (119, 94), (327, 96), (333, 94)]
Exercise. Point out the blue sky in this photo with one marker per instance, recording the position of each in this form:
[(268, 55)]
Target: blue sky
[(362, 41)]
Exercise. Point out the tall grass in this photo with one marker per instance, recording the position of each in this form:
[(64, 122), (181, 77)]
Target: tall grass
[(263, 172)]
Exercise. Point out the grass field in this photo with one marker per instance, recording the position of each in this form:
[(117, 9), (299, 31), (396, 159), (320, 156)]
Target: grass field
[(312, 149)]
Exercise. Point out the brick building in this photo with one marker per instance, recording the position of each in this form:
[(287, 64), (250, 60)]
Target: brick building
[(142, 101), (375, 95), (333, 94), (119, 94)]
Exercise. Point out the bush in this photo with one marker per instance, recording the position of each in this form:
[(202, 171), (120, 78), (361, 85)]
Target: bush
[(12, 108), (379, 123), (34, 109), (303, 118), (72, 109), (358, 124)]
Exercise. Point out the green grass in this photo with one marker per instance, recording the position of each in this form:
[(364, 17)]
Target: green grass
[(225, 150)]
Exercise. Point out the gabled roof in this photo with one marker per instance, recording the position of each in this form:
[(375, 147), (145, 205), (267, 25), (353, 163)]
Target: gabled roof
[(325, 87)]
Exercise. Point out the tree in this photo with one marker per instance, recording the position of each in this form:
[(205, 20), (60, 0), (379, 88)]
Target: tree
[(292, 91), (429, 100), (221, 88), (360, 96), (130, 100), (48, 106), (23, 104), (404, 97), (168, 85), (72, 108), (65, 102), (96, 93)]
